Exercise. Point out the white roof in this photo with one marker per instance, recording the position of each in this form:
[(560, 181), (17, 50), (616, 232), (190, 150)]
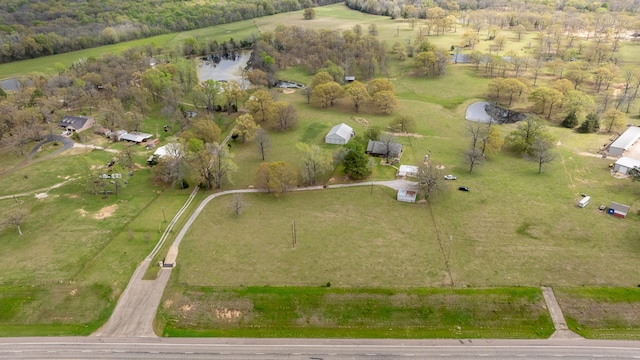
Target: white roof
[(628, 162), (342, 130), (171, 149), (627, 138), (407, 193), (135, 136), (408, 169)]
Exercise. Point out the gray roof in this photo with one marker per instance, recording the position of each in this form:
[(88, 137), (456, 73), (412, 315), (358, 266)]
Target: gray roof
[(619, 207), (379, 148), (342, 130), (74, 122), (627, 138)]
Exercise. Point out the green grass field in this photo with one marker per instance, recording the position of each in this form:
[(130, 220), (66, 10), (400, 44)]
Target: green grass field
[(516, 228), (356, 313)]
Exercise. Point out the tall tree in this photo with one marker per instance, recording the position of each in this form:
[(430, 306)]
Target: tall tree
[(246, 127), (474, 157), (521, 140), (222, 165), (613, 120), (262, 141), (277, 177), (356, 162), (315, 161), (260, 104), (358, 94), (430, 180), (285, 116), (16, 218), (541, 151)]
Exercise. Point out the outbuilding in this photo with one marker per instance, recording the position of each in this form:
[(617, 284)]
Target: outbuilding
[(379, 148), (339, 134), (405, 195), (407, 170), (624, 164), (624, 141), (134, 136), (618, 210)]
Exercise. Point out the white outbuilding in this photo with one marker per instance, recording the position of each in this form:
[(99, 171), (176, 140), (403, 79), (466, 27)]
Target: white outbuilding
[(405, 195), (624, 141), (407, 170), (339, 134), (624, 164)]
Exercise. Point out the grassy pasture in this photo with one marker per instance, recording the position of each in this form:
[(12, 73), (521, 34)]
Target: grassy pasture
[(357, 313), (605, 313)]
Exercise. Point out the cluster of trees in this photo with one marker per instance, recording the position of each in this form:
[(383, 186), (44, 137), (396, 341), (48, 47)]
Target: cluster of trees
[(34, 28), (351, 52), (532, 140), (324, 90)]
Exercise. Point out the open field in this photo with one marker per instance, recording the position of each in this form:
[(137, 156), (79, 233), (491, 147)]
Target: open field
[(605, 313), (357, 313), (515, 227)]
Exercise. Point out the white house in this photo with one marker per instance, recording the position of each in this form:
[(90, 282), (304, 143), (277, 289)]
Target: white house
[(407, 170), (624, 141), (339, 134), (405, 195), (624, 164)]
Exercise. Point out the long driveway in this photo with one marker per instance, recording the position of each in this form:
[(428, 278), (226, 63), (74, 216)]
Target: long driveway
[(137, 306)]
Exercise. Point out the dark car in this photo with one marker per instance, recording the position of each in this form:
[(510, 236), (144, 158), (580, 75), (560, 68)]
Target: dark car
[(463, 188)]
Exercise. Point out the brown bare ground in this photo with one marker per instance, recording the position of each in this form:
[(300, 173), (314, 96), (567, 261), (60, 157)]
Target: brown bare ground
[(105, 212)]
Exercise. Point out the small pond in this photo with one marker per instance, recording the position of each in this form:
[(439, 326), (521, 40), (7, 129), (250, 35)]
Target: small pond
[(10, 84), (224, 67), (487, 113), (477, 112)]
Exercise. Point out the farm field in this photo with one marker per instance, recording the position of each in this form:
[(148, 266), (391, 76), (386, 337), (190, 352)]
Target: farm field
[(513, 232)]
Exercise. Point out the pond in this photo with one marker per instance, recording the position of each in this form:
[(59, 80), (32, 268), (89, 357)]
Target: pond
[(10, 84), (224, 67), (477, 112)]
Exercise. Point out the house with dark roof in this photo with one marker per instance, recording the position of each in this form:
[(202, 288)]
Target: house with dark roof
[(76, 123), (379, 148)]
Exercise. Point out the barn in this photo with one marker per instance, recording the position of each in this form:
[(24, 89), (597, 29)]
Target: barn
[(624, 141), (624, 164), (618, 210), (405, 195), (339, 134)]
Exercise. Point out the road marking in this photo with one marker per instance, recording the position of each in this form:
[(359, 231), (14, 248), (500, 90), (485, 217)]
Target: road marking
[(484, 354), (520, 355)]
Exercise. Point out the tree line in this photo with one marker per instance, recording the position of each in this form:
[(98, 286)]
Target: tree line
[(32, 28)]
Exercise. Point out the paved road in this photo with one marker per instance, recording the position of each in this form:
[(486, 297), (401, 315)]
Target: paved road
[(137, 306), (66, 145), (299, 349)]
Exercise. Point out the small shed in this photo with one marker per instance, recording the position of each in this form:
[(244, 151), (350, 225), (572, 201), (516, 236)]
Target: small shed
[(339, 134), (405, 195), (624, 141), (624, 164), (618, 210), (170, 150), (407, 170)]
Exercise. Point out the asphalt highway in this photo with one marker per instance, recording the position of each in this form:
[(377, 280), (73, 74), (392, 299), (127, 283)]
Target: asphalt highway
[(311, 349)]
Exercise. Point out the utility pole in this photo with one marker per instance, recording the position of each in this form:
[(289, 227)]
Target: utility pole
[(294, 237)]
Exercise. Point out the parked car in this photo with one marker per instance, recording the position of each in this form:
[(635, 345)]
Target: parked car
[(450, 177), (463, 188)]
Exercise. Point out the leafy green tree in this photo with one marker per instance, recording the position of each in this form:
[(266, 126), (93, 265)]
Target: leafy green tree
[(309, 13), (356, 162), (493, 142), (357, 92), (613, 120), (246, 127), (326, 94), (403, 123), (277, 177), (386, 101), (261, 105), (570, 121), (590, 125), (315, 161), (527, 131)]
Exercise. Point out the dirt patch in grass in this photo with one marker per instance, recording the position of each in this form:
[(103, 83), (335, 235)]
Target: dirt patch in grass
[(362, 121), (417, 136), (105, 212), (82, 212)]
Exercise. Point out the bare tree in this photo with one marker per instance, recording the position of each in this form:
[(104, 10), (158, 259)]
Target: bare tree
[(430, 180), (222, 164), (542, 151), (389, 142), (474, 157), (15, 218), (237, 204), (263, 141)]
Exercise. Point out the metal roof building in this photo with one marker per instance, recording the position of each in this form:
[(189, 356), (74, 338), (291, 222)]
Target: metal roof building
[(624, 141), (339, 134)]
